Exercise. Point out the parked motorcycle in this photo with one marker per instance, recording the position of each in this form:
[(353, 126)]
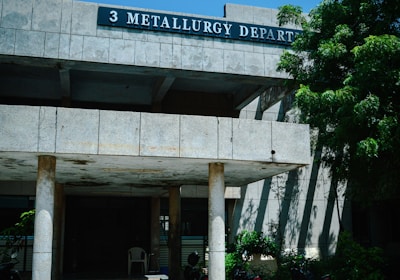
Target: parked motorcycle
[(300, 271), (7, 271), (192, 272), (240, 274)]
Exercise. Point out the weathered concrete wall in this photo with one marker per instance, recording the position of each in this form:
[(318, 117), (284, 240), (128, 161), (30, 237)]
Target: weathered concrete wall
[(84, 131), (298, 201), (298, 205), (67, 30)]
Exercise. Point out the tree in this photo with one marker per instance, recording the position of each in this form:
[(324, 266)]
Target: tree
[(14, 235), (346, 69)]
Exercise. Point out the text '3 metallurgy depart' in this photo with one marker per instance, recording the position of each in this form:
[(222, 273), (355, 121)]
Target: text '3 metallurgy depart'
[(195, 26)]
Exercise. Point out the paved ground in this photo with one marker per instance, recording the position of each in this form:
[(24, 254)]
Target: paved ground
[(103, 276), (114, 277)]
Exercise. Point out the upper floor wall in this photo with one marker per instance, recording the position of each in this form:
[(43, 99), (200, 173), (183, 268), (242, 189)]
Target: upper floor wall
[(68, 30)]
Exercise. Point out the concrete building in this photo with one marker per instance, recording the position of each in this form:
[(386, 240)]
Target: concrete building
[(128, 127)]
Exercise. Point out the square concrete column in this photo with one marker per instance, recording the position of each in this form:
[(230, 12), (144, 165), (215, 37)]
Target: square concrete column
[(155, 234), (216, 221), (43, 232), (174, 234)]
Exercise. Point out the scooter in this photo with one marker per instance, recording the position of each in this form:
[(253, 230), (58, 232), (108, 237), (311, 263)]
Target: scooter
[(191, 272), (240, 274), (7, 271), (301, 272)]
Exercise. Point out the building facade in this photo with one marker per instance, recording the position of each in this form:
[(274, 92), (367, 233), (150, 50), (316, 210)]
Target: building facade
[(129, 127)]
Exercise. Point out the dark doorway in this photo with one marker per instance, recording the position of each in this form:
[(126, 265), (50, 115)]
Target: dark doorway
[(100, 230)]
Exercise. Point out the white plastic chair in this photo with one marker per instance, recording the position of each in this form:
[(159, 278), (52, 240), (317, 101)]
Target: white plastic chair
[(137, 255)]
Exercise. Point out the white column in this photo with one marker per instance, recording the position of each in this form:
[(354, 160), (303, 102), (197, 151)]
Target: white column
[(43, 233), (216, 221), (58, 231), (174, 234), (155, 234)]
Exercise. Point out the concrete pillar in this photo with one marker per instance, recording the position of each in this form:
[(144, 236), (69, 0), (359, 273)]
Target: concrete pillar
[(58, 231), (155, 234), (174, 234), (43, 233), (216, 221)]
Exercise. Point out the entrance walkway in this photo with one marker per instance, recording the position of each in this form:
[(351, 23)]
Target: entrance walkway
[(115, 277)]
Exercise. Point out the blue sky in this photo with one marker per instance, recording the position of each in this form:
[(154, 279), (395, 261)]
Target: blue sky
[(206, 7)]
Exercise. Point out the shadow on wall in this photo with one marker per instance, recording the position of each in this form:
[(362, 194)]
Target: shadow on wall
[(298, 207)]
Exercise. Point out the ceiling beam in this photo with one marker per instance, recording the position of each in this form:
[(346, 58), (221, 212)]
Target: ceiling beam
[(65, 84), (247, 94), (272, 95), (161, 88), (269, 95)]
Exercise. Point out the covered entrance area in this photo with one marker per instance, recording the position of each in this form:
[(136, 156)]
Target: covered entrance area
[(100, 124), (100, 230), (145, 157)]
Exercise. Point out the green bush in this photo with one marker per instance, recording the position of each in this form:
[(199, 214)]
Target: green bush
[(350, 262), (232, 261), (285, 262), (255, 242), (355, 262), (14, 236), (245, 244)]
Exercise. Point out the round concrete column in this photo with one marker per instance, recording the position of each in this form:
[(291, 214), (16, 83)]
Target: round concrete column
[(58, 231), (43, 233), (216, 221)]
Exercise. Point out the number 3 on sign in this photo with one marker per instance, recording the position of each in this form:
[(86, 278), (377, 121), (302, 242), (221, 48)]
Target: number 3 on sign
[(113, 16)]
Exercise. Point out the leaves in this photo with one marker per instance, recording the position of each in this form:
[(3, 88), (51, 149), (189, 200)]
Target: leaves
[(346, 68), (14, 235), (291, 14), (352, 261), (365, 111), (367, 148), (250, 242)]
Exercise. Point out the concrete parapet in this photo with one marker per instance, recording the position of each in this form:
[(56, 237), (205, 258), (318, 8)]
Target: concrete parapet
[(98, 132)]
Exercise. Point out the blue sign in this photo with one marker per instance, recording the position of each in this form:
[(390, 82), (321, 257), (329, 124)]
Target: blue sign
[(194, 26)]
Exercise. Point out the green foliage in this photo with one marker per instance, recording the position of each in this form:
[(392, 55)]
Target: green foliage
[(367, 148), (232, 261), (291, 14), (346, 68), (354, 262), (351, 262), (255, 242), (285, 262), (14, 236), (245, 244)]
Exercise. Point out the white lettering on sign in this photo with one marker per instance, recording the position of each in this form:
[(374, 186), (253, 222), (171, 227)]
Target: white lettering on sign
[(227, 27), (263, 31), (155, 20), (290, 35), (145, 20), (132, 19), (207, 27), (185, 25), (113, 16), (217, 27), (175, 24), (254, 32), (165, 23), (244, 31), (280, 35), (195, 26), (270, 35)]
